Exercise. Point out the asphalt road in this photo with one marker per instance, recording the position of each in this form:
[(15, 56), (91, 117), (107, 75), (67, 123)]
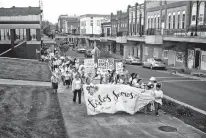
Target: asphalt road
[(187, 90)]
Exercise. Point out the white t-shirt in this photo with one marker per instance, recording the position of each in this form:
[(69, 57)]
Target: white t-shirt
[(158, 94), (68, 76), (76, 84)]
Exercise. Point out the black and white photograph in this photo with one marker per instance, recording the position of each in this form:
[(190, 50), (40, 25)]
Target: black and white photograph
[(102, 68)]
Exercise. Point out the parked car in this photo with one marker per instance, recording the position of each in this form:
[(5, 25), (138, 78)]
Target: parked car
[(81, 50), (88, 53), (154, 63), (133, 60)]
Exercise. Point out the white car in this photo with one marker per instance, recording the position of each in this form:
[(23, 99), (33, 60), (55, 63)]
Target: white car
[(154, 63), (81, 50), (133, 60)]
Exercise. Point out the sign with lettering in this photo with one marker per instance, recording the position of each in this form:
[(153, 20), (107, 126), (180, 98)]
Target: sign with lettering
[(106, 64), (109, 98), (119, 67), (89, 67)]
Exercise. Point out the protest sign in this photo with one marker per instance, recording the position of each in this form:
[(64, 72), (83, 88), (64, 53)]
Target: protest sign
[(106, 64), (119, 67), (89, 67), (108, 98)]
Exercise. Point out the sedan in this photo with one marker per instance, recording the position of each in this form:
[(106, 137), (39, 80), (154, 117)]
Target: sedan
[(81, 50), (133, 60), (154, 63)]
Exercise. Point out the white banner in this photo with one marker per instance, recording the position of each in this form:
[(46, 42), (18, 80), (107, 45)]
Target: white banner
[(106, 64), (109, 98)]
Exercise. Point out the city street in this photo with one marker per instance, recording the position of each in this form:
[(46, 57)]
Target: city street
[(187, 90)]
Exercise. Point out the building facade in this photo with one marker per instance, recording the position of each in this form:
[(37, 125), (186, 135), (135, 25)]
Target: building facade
[(90, 24), (18, 24), (136, 17), (106, 29), (68, 24)]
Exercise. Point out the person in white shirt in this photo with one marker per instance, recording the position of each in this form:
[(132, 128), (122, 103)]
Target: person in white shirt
[(54, 80), (63, 71), (68, 78), (135, 81), (74, 73), (158, 94), (77, 88), (153, 81)]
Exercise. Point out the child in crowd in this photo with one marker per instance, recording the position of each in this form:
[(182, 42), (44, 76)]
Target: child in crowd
[(132, 76), (54, 80), (149, 87), (158, 94), (68, 78)]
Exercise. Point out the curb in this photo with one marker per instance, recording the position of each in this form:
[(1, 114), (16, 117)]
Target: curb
[(186, 105)]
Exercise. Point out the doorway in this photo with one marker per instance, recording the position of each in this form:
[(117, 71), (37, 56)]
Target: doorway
[(197, 59)]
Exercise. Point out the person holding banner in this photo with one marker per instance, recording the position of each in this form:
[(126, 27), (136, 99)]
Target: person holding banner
[(77, 88), (158, 94)]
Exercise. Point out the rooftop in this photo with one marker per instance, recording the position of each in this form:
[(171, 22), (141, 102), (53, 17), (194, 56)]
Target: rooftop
[(94, 15), (16, 11)]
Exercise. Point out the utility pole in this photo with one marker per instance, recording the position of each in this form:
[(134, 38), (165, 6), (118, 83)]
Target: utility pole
[(196, 17), (140, 22)]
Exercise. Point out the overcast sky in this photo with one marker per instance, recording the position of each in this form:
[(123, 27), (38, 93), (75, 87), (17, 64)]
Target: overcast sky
[(54, 8)]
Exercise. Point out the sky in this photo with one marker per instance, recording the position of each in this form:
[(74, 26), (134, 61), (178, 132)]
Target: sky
[(53, 8)]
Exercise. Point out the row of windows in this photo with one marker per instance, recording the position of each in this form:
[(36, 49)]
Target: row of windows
[(20, 34), (121, 25), (176, 20), (153, 22)]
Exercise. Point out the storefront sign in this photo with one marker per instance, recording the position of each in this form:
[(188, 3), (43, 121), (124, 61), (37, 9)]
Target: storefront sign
[(108, 98)]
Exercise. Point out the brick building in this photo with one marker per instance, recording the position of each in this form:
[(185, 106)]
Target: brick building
[(68, 24)]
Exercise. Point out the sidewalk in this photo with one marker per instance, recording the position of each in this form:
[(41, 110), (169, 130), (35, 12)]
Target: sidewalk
[(121, 125)]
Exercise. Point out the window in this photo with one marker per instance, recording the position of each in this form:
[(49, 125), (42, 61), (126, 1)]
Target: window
[(148, 24), (91, 17), (178, 20), (98, 23), (179, 57), (174, 20), (201, 13), (183, 19), (158, 22), (165, 54), (194, 10), (155, 21), (151, 22), (169, 21), (146, 51)]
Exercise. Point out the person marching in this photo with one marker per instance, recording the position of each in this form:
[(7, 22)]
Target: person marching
[(68, 78), (77, 88), (158, 94), (55, 81), (132, 77)]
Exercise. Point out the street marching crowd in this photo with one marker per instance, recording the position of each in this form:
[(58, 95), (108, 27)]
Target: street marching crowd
[(72, 73)]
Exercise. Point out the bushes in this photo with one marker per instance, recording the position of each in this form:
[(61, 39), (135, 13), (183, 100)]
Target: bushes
[(185, 114)]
